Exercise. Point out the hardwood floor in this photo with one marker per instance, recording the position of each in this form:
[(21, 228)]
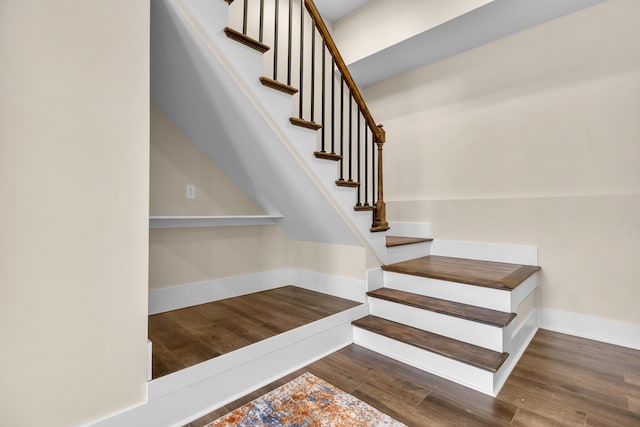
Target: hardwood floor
[(560, 381), (186, 337)]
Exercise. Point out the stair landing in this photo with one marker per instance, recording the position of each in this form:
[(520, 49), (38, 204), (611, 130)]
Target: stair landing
[(496, 275)]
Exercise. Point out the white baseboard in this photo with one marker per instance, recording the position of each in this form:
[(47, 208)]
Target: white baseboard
[(410, 229), (248, 370), (338, 286), (595, 328), (496, 252), (176, 297)]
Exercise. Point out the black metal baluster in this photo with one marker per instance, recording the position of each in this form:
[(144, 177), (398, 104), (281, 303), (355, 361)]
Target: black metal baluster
[(350, 136), (333, 106), (244, 17), (358, 177), (324, 88), (313, 72), (341, 128), (261, 35), (301, 92), (366, 164), (275, 40), (290, 38)]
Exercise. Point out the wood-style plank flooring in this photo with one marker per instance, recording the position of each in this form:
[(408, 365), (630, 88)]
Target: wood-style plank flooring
[(186, 337), (560, 381), (497, 275)]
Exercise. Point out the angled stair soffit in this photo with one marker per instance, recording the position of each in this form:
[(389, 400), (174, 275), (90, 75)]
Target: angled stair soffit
[(487, 23), (195, 90)]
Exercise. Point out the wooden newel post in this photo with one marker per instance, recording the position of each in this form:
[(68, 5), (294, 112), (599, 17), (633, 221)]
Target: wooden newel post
[(380, 212)]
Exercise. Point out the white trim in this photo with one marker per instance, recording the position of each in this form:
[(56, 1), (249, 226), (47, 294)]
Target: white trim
[(476, 333), (410, 229), (453, 370), (590, 327), (181, 296), (495, 299), (400, 253), (337, 286), (211, 368), (375, 279), (201, 397), (212, 221), (516, 348), (496, 252), (149, 360)]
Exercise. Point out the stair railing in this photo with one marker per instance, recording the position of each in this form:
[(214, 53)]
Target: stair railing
[(316, 73)]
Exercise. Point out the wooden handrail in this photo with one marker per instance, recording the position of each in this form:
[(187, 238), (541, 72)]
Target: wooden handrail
[(344, 70)]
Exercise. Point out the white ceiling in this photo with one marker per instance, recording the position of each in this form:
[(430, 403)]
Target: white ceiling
[(485, 24), (332, 10)]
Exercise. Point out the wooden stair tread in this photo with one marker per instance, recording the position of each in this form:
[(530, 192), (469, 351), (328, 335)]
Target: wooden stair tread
[(363, 208), (246, 40), (399, 241), (470, 354), (296, 121), (327, 156), (345, 183), (496, 275), (450, 308), (279, 86)]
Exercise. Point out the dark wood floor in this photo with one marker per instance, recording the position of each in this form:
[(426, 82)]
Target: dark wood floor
[(559, 381), (186, 337)]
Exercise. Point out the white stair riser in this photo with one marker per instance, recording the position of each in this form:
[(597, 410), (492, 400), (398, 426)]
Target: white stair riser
[(494, 299), (461, 373), (407, 252), (480, 334)]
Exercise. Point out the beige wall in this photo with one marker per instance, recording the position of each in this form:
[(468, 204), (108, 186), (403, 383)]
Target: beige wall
[(74, 164), (183, 256), (176, 162), (532, 139), (394, 21)]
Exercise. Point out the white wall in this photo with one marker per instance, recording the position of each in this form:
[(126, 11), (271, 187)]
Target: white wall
[(74, 166), (531, 139), (382, 23)]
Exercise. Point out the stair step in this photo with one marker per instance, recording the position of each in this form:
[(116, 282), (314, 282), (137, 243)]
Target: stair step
[(363, 208), (279, 86), (496, 275), (399, 241), (343, 183), (470, 354), (327, 156), (305, 123), (246, 40), (449, 308)]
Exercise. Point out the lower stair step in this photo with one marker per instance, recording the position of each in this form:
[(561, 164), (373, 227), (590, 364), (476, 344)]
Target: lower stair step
[(450, 308), (470, 354), (496, 275), (393, 241)]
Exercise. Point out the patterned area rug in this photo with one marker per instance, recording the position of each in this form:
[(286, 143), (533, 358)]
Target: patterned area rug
[(306, 401)]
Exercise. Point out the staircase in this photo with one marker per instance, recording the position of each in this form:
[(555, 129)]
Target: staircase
[(451, 316), (460, 310)]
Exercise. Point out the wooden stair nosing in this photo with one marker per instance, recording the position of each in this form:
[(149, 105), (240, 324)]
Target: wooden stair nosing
[(279, 86), (469, 354), (246, 40), (327, 156), (343, 183), (466, 271), (362, 208), (305, 123), (393, 241), (473, 313)]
